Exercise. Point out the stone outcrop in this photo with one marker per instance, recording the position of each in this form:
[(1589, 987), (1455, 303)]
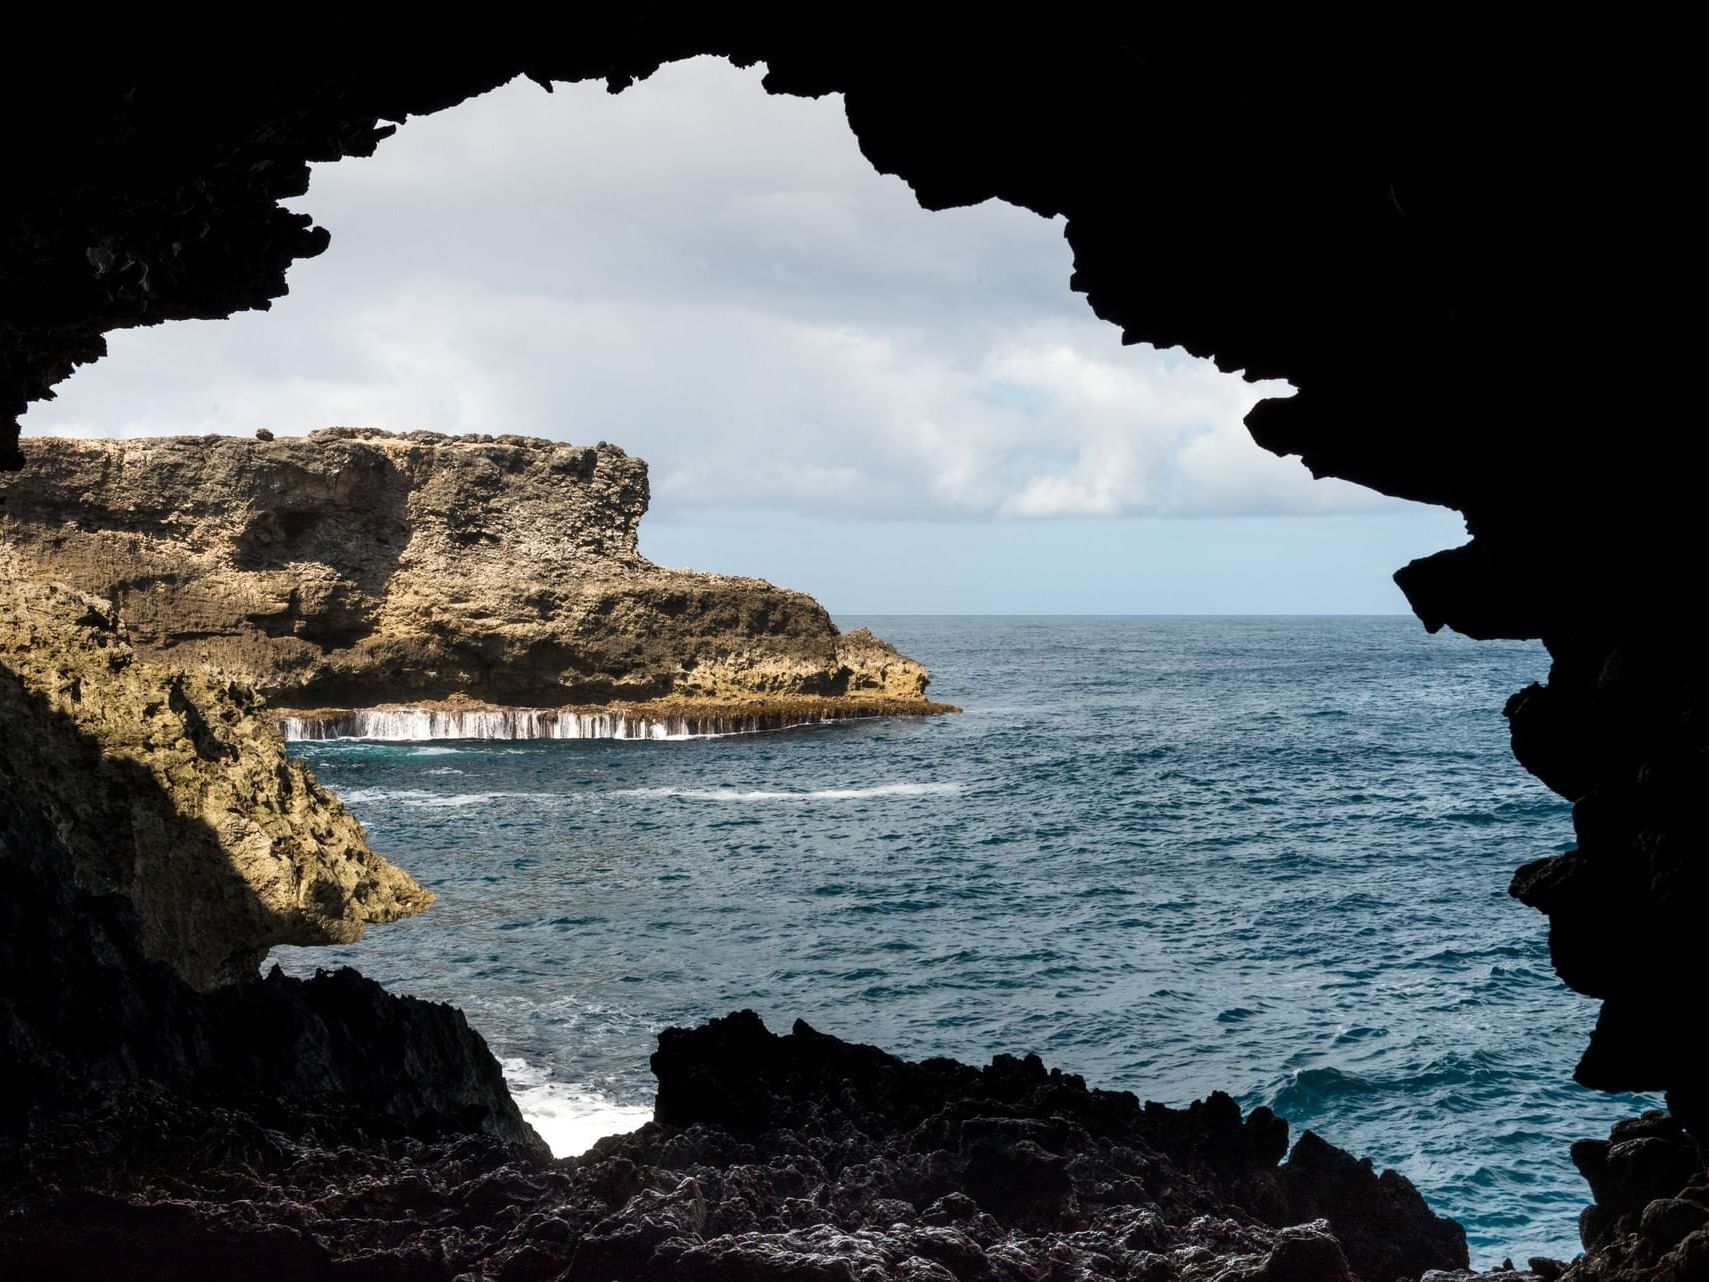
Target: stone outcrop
[(353, 568), (783, 1158), (154, 843), (172, 790), (1650, 1219), (86, 1015)]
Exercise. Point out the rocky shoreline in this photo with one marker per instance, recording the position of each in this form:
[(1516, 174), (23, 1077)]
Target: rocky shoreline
[(171, 792), (792, 1157), (184, 1115)]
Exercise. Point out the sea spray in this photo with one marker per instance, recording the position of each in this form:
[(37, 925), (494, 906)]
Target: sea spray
[(571, 1119), (416, 724)]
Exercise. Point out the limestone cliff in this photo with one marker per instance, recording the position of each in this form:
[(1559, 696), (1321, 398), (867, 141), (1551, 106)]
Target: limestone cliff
[(353, 568), (172, 790)]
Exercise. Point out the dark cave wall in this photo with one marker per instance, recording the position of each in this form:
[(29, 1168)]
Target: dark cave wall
[(85, 1014), (1466, 246)]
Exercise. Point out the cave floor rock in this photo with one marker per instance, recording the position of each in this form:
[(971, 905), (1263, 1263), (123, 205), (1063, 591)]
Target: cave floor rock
[(787, 1157)]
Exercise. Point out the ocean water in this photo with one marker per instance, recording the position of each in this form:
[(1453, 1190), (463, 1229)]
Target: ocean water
[(1266, 855)]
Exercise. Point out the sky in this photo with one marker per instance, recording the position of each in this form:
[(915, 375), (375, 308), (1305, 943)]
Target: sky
[(897, 411)]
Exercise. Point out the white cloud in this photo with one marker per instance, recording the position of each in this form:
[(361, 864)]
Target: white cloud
[(715, 279)]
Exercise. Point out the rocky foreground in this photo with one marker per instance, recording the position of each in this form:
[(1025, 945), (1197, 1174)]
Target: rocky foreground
[(354, 568), (155, 842), (1423, 265), (795, 1157)]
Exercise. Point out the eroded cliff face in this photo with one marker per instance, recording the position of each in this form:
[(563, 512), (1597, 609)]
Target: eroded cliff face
[(353, 568), (155, 841), (172, 791)]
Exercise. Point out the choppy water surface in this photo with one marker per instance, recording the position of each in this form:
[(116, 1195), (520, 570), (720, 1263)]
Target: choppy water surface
[(1174, 855)]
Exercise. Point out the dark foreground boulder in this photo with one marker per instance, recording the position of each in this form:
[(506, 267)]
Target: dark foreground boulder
[(1038, 1151), (84, 1013), (792, 1157), (1650, 1217)]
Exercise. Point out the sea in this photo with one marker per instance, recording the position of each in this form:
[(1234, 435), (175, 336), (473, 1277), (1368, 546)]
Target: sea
[(1174, 855)]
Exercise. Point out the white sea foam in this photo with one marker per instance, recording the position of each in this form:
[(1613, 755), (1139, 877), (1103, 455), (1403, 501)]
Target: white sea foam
[(456, 801), (421, 799), (409, 725), (816, 794), (413, 725), (363, 796), (571, 1119)]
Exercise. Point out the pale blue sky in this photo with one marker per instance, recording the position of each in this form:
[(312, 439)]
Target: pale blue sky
[(893, 410), (1337, 564)]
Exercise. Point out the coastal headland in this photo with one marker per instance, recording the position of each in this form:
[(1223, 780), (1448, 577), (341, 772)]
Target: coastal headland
[(477, 586)]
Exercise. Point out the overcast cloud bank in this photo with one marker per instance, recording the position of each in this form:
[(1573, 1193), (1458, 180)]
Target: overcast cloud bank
[(716, 280)]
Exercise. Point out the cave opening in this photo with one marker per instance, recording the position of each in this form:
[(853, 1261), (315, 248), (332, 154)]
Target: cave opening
[(716, 279)]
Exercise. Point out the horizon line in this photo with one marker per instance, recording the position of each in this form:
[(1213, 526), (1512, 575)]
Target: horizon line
[(1131, 614)]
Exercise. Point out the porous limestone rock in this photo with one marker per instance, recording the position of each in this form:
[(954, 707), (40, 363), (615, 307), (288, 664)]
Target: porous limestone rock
[(354, 567), (172, 789)]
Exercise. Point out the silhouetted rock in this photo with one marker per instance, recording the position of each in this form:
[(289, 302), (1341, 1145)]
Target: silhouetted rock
[(1383, 1223), (1651, 1185), (83, 1013), (154, 843), (1035, 1148), (785, 1158)]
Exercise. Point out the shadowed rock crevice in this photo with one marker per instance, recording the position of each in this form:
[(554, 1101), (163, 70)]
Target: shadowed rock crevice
[(155, 842), (86, 1012)]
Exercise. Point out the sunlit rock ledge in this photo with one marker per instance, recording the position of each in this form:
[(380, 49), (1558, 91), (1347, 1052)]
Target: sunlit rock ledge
[(168, 792), (656, 720)]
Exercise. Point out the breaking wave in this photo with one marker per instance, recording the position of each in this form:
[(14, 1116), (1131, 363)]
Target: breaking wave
[(415, 725), (814, 794), (571, 1119)]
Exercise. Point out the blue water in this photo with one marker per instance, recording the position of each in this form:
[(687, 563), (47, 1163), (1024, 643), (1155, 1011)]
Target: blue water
[(1268, 855)]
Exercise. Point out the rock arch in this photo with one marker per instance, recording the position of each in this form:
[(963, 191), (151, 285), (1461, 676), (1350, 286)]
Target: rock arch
[(1464, 245)]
